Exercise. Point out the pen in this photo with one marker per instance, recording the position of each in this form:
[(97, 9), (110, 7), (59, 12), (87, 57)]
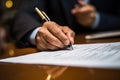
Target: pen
[(45, 18), (42, 14), (100, 35)]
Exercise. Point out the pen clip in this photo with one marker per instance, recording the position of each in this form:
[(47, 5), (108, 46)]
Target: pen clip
[(42, 14), (45, 15)]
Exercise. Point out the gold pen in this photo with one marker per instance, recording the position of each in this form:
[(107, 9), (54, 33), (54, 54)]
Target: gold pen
[(42, 14), (44, 17)]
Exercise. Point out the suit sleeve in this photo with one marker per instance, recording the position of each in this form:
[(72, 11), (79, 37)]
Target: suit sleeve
[(26, 21)]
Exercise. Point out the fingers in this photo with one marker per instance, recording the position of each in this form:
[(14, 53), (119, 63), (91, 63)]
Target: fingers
[(70, 34), (51, 39), (51, 36), (46, 41), (44, 45), (57, 32)]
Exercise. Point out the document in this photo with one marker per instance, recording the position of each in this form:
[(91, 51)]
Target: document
[(99, 55)]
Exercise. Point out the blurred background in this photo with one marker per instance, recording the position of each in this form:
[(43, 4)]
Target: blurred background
[(8, 9)]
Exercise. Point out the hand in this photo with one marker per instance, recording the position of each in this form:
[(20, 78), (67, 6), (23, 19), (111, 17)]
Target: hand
[(85, 14), (52, 36)]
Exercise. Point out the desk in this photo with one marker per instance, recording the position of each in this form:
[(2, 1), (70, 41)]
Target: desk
[(44, 72)]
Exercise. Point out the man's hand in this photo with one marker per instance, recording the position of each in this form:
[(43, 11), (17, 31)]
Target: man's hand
[(52, 36), (84, 13)]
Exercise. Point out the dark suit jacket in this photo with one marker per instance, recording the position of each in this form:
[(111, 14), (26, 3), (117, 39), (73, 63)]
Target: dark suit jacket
[(60, 11)]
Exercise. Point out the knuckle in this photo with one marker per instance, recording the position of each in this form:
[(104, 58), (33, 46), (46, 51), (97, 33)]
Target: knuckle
[(37, 39), (46, 24), (41, 31), (50, 22)]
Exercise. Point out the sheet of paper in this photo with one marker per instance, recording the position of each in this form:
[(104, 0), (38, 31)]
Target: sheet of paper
[(101, 55)]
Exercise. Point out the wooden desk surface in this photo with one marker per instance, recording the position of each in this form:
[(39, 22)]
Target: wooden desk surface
[(44, 72)]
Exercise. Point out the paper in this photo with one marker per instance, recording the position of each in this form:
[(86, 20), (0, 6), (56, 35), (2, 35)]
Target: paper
[(102, 55)]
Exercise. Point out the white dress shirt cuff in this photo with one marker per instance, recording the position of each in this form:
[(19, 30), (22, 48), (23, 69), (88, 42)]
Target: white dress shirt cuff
[(97, 20), (33, 36)]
